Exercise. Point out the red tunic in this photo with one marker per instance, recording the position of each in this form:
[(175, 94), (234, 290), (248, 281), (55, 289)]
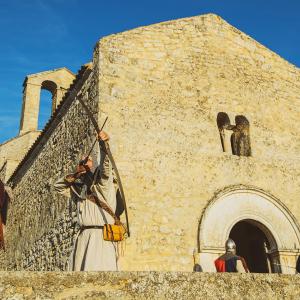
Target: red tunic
[(220, 265)]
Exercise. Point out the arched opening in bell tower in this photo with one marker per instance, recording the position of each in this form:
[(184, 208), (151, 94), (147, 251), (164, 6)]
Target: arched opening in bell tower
[(254, 242), (48, 99)]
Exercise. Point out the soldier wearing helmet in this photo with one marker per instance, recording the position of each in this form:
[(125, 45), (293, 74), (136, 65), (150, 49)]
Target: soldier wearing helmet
[(230, 262)]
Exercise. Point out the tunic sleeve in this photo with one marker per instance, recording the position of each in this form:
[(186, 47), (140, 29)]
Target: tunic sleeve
[(63, 187), (102, 172), (103, 179)]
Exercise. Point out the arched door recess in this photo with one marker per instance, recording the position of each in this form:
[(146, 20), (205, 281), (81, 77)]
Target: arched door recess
[(254, 242), (268, 214)]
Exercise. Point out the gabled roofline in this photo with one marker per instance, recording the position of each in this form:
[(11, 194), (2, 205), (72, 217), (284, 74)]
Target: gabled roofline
[(51, 71), (46, 72), (210, 16)]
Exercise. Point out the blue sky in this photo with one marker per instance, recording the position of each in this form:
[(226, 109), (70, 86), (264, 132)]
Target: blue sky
[(39, 35)]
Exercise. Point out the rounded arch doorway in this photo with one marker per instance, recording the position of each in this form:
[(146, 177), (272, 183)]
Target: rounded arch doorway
[(249, 214), (256, 244)]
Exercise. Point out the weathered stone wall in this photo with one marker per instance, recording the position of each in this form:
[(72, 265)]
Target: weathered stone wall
[(162, 87), (14, 150), (40, 226), (146, 285), (2, 260), (3, 171)]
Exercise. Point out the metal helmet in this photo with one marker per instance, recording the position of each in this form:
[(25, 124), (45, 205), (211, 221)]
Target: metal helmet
[(230, 246)]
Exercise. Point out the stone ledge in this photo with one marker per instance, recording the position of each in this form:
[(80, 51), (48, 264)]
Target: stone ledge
[(147, 285)]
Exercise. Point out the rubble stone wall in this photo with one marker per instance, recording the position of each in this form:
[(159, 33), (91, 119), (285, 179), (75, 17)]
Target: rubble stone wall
[(40, 226), (14, 150)]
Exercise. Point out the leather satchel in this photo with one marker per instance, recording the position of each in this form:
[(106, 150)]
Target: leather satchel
[(114, 233), (111, 232)]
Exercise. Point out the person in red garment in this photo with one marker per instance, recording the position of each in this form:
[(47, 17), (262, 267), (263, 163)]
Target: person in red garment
[(5, 195), (230, 262)]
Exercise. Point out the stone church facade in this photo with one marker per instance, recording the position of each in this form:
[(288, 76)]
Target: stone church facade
[(204, 129)]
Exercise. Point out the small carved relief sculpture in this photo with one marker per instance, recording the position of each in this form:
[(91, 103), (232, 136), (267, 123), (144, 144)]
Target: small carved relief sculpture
[(239, 140)]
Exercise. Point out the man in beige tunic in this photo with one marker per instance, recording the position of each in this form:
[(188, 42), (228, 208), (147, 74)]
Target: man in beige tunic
[(91, 252)]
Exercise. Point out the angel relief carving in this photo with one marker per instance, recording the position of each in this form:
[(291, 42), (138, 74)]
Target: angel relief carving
[(234, 138)]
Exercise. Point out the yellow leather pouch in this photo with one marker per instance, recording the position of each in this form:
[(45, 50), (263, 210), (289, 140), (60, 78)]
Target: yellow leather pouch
[(114, 233)]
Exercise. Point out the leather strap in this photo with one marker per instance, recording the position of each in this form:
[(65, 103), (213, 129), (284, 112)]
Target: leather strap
[(103, 205)]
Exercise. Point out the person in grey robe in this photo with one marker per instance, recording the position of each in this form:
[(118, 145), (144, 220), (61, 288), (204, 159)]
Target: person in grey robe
[(91, 252)]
